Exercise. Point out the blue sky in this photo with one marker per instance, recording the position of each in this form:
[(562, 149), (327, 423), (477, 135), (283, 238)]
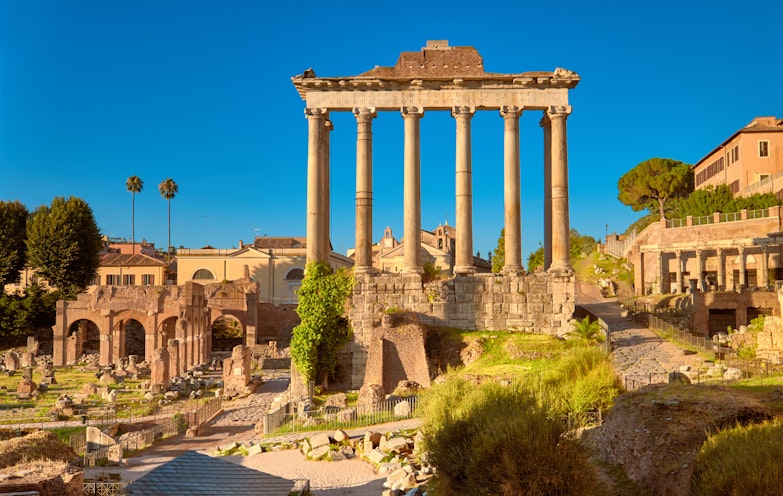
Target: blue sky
[(92, 92)]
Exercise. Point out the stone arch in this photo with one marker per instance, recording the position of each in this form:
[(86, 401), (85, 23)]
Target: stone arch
[(135, 337), (167, 330), (295, 274), (227, 332), (84, 337), (294, 279), (203, 275)]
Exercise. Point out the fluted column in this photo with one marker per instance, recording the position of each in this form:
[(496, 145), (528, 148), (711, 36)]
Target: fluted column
[(412, 194), (702, 286), (678, 255), (463, 263), (363, 254), (764, 266), (743, 280), (316, 117), (511, 190), (546, 124), (561, 242), (721, 269), (326, 245)]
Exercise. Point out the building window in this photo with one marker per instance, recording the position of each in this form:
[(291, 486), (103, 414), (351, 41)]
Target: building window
[(129, 279), (735, 154), (734, 187), (295, 275), (112, 279), (763, 148), (148, 279), (203, 275)]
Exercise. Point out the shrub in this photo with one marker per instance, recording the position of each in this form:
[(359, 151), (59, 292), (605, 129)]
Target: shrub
[(743, 460), (587, 331), (497, 440)]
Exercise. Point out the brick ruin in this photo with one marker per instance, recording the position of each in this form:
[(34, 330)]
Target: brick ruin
[(541, 303)]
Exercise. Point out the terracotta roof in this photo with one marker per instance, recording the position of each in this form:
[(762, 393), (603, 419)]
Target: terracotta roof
[(194, 474), (280, 242), (114, 259), (757, 125)]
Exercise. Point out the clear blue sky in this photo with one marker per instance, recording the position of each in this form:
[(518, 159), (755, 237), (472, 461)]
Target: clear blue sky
[(92, 92)]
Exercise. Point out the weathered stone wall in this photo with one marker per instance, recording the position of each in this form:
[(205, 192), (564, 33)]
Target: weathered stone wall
[(739, 302), (397, 353), (275, 323), (539, 303)]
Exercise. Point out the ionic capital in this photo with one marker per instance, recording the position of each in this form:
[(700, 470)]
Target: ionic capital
[(412, 112), (316, 113), (463, 112), (558, 111), (510, 112), (364, 114)]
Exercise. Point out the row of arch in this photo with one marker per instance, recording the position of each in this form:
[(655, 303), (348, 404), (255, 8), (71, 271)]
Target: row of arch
[(295, 274)]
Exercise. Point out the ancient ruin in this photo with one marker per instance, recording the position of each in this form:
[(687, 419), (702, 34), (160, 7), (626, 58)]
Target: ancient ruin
[(453, 79)]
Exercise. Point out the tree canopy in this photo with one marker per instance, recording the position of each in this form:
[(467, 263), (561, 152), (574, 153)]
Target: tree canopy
[(168, 190), (134, 185), (499, 256), (64, 244), (581, 246), (13, 225), (655, 181), (324, 328)]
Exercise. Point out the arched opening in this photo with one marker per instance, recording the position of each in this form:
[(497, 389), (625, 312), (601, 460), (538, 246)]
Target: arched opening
[(168, 330), (134, 338), (294, 278), (227, 332), (296, 274), (203, 275), (86, 338)]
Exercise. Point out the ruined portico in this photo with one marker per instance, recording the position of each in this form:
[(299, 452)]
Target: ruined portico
[(453, 79)]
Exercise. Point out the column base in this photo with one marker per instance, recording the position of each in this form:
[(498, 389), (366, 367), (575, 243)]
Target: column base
[(364, 269), (513, 269), (412, 270), (465, 270), (561, 269)]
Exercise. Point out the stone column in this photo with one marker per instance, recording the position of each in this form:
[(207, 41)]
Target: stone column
[(412, 195), (700, 270), (663, 274), (678, 255), (463, 263), (721, 270), (561, 232), (743, 280), (511, 190), (315, 228), (546, 124), (764, 266), (326, 245), (363, 254)]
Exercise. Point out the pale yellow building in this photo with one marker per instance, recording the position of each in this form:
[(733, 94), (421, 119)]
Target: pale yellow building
[(276, 263), (749, 161)]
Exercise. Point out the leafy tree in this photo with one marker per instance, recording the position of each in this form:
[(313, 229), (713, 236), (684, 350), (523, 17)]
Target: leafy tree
[(656, 180), (323, 329), (581, 245), (535, 259), (13, 223), (64, 244), (168, 190), (499, 256), (134, 184), (21, 314)]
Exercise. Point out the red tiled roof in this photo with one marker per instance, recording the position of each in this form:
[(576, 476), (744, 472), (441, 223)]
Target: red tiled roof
[(114, 259)]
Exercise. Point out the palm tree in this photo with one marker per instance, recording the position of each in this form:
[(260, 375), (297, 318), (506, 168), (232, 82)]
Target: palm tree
[(134, 184), (168, 190)]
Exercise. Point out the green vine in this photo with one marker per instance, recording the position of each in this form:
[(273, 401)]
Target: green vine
[(324, 328)]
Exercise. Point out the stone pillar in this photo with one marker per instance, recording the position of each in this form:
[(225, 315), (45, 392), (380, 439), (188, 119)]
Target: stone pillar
[(743, 280), (700, 270), (175, 368), (663, 274), (159, 370), (326, 245), (363, 254), (721, 269), (546, 124), (412, 196), (678, 255), (511, 190), (463, 263), (315, 217), (561, 231), (764, 266)]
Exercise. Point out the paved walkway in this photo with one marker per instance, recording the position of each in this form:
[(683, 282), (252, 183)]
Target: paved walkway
[(639, 355)]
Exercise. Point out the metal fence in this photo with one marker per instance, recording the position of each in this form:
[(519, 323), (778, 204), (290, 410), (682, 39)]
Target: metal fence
[(286, 419), (104, 488)]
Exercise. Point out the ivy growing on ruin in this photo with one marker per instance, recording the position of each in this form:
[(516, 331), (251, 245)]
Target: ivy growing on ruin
[(324, 327)]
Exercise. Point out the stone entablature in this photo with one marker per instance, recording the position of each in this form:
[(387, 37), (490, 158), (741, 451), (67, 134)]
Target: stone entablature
[(539, 303)]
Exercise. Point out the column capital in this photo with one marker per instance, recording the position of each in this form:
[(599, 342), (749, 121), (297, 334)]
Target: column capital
[(558, 111), (510, 111), (741, 249), (415, 112), (328, 125), (545, 122), (463, 112), (364, 114), (316, 112)]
